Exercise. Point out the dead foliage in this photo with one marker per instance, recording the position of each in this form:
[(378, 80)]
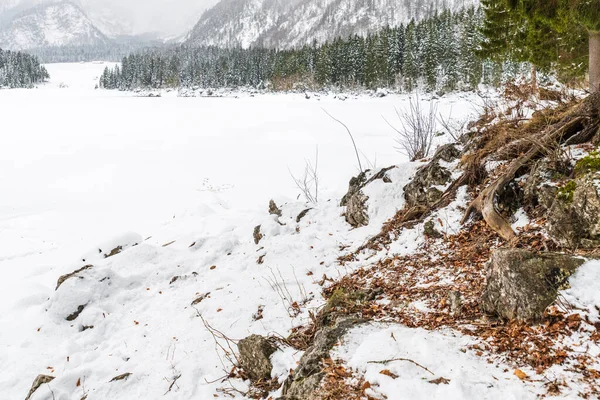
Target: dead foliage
[(338, 385), (583, 117), (456, 263), (459, 265)]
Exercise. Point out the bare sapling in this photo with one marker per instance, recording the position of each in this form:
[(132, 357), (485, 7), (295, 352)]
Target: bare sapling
[(308, 182), (351, 138), (415, 136), (451, 126)]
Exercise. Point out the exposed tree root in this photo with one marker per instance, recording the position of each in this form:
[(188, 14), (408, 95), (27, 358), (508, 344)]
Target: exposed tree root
[(581, 119)]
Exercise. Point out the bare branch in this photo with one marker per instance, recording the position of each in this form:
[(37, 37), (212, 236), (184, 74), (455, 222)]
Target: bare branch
[(401, 359), (349, 134), (308, 184), (415, 138)]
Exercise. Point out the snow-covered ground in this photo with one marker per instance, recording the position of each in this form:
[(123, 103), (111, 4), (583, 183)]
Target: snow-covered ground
[(187, 180)]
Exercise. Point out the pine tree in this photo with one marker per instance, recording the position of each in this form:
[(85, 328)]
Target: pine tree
[(565, 16), (411, 57), (549, 34)]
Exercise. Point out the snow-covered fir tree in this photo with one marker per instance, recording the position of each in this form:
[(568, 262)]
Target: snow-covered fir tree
[(436, 54), (19, 70)]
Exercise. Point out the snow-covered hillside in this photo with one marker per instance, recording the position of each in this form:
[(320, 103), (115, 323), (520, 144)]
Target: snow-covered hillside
[(54, 24), (283, 24)]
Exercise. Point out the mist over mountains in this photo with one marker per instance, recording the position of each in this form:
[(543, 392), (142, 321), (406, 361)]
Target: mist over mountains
[(38, 24)]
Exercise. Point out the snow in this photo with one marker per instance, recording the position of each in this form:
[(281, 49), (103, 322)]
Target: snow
[(521, 220), (294, 24), (179, 184), (583, 293), (444, 354), (371, 348)]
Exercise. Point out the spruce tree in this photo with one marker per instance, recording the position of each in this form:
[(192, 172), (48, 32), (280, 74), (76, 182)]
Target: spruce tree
[(550, 29)]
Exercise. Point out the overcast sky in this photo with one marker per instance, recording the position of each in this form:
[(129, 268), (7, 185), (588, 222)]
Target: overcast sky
[(168, 16)]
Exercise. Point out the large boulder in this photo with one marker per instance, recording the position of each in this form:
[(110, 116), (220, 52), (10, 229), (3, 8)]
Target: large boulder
[(522, 284), (422, 190), (355, 200), (574, 217), (255, 357), (306, 379)]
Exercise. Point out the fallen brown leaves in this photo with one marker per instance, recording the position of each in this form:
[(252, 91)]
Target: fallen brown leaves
[(338, 385), (457, 263)]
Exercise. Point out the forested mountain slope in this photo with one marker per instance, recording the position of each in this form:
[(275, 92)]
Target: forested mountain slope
[(53, 24), (282, 24)]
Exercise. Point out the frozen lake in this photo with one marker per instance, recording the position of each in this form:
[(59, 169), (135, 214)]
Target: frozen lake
[(79, 165)]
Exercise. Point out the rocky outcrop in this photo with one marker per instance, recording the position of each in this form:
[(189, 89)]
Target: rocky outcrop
[(536, 190), (37, 382), (255, 353), (574, 217), (521, 284), (355, 200), (422, 190), (302, 384)]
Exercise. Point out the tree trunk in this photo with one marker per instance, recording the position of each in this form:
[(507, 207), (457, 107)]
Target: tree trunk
[(534, 80), (595, 62)]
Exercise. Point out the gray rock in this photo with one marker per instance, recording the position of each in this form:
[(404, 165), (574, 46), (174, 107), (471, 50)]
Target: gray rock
[(355, 200), (421, 191), (447, 153), (456, 302), (63, 278), (122, 377), (430, 231), (75, 314), (308, 375), (114, 252), (302, 215), (536, 190), (37, 382), (257, 235), (521, 284), (273, 209), (255, 352), (575, 222)]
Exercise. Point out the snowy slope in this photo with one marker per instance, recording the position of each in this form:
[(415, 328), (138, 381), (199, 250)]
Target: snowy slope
[(181, 192), (54, 24), (190, 174), (282, 24)]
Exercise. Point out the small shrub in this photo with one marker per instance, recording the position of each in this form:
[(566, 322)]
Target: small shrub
[(590, 163), (415, 137), (566, 192)]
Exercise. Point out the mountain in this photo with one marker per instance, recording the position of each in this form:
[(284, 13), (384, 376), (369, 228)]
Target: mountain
[(50, 24), (116, 18), (285, 24)]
